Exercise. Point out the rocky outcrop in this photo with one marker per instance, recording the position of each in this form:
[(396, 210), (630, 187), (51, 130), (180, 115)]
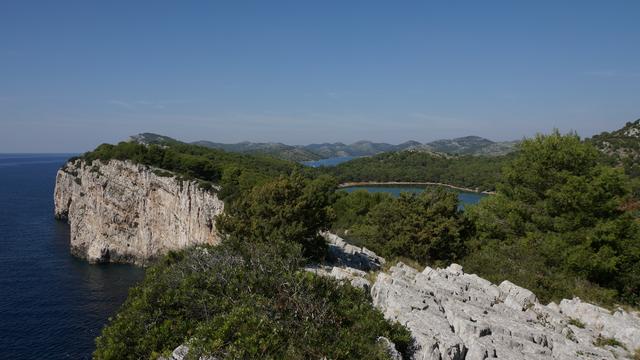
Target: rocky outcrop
[(347, 262), (457, 316), (124, 212), (453, 315)]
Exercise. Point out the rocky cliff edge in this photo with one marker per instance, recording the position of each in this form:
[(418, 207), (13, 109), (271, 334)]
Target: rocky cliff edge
[(119, 211)]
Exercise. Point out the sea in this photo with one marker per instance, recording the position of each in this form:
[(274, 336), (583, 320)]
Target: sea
[(464, 198), (52, 305)]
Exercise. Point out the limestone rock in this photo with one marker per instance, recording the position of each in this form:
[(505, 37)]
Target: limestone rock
[(124, 212), (344, 254), (453, 315), (619, 324)]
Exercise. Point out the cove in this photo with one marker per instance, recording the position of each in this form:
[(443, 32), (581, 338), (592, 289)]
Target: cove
[(465, 198)]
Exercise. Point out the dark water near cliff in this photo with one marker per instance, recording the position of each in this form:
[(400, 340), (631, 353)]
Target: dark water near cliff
[(52, 305), (465, 198)]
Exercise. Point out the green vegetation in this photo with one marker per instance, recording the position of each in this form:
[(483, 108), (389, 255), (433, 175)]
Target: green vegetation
[(278, 150), (352, 208), (475, 172), (560, 224), (236, 173), (622, 146), (577, 323), (557, 225), (289, 209), (602, 341), (425, 227), (241, 300)]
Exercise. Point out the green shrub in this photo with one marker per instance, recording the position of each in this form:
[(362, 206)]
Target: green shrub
[(425, 227), (289, 209), (577, 323), (558, 225), (602, 341), (242, 300)]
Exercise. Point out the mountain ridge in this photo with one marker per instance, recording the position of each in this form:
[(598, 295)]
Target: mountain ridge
[(466, 145)]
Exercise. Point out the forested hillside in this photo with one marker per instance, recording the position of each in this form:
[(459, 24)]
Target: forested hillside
[(558, 224), (235, 172), (622, 146), (475, 172)]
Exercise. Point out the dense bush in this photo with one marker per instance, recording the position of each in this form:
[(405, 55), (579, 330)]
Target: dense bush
[(558, 224), (235, 172), (291, 209), (425, 227), (475, 172), (351, 208), (241, 300)]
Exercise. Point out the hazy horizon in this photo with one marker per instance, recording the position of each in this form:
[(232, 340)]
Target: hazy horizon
[(76, 74)]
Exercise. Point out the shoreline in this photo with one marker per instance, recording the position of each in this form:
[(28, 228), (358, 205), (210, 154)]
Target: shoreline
[(425, 183)]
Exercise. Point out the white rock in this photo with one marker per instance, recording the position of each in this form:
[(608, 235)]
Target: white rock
[(619, 324), (124, 212), (453, 315), (517, 298), (344, 254)]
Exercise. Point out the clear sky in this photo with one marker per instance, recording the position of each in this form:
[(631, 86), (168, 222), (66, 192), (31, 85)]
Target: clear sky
[(74, 74)]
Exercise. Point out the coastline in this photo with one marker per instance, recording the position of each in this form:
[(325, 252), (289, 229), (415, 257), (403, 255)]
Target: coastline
[(425, 183)]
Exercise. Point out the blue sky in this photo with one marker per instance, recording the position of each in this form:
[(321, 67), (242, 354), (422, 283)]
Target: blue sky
[(74, 74)]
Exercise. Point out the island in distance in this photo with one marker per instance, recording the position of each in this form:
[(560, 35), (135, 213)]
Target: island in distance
[(468, 145)]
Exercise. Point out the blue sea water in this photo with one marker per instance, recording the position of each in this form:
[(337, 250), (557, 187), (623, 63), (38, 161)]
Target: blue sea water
[(52, 305), (465, 198)]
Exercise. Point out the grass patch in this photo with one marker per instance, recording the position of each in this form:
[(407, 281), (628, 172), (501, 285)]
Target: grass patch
[(602, 341), (576, 323)]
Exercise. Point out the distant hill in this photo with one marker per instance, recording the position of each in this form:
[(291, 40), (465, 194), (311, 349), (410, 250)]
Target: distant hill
[(470, 145), (622, 146), (620, 143), (151, 138), (279, 150)]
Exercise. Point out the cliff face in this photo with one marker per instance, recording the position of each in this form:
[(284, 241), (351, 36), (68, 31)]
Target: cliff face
[(123, 212)]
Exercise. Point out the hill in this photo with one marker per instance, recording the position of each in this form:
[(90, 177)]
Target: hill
[(473, 145), (622, 146), (468, 145), (474, 172), (279, 150)]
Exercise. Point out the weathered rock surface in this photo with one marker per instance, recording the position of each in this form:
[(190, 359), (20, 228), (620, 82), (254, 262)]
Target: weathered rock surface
[(344, 254), (124, 212), (348, 262), (454, 315)]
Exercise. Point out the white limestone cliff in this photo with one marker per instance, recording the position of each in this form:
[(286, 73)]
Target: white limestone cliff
[(119, 211)]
